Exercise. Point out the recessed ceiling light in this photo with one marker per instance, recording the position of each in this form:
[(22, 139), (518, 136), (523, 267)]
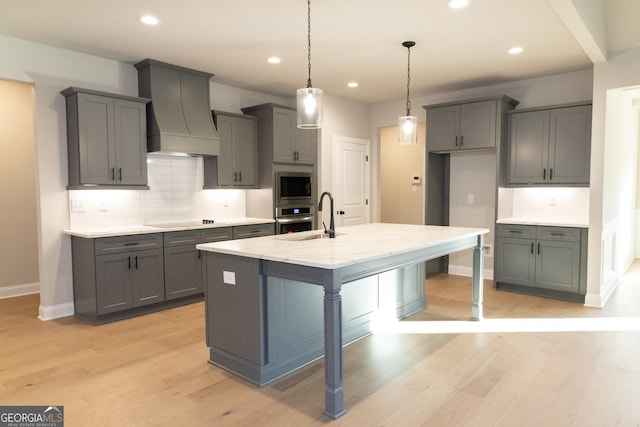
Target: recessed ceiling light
[(458, 4), (274, 60), (352, 84), (515, 50), (149, 20)]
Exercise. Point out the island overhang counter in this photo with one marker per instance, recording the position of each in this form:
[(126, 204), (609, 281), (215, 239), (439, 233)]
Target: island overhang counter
[(241, 272)]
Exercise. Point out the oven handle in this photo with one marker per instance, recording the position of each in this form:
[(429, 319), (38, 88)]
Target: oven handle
[(296, 219)]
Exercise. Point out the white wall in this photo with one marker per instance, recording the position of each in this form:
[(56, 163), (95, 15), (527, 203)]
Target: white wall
[(608, 210), (340, 118)]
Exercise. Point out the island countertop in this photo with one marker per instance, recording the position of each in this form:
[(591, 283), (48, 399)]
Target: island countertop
[(353, 244)]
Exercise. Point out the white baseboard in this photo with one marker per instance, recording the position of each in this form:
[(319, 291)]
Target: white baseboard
[(19, 290), (460, 270), (55, 311)]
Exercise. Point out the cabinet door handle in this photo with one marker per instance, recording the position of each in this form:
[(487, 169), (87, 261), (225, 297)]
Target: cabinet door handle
[(136, 262), (119, 174), (532, 247), (456, 140), (550, 174), (461, 140), (129, 266), (538, 248), (544, 174), (235, 177), (199, 253), (113, 174), (239, 176)]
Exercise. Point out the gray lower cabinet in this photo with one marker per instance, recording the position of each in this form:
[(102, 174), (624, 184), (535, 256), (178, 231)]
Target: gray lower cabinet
[(183, 262), (128, 280), (253, 230), (106, 138), (264, 328), (115, 277), (237, 164), (541, 260), (550, 146)]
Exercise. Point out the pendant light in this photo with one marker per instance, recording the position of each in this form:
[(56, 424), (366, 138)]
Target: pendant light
[(309, 99), (408, 125)]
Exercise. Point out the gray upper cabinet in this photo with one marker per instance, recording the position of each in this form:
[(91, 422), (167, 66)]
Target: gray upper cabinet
[(279, 136), (107, 140), (237, 164), (550, 146), (467, 126)]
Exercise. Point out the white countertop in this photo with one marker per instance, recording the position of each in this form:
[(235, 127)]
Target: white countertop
[(91, 233), (352, 244), (545, 222)]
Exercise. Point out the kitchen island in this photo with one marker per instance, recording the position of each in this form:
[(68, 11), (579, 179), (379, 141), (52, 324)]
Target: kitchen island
[(245, 278)]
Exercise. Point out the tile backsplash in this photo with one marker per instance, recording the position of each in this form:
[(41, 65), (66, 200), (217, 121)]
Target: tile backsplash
[(175, 195), (565, 203)]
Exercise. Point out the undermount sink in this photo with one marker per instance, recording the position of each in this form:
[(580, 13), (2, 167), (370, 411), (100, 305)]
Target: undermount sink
[(298, 237)]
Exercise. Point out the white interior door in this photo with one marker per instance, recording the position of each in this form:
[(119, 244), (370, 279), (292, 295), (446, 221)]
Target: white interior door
[(351, 180)]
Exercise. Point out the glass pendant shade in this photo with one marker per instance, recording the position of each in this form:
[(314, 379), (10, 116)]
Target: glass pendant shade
[(407, 130), (309, 105)]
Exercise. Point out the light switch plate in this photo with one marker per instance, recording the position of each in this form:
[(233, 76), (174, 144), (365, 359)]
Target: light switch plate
[(229, 277)]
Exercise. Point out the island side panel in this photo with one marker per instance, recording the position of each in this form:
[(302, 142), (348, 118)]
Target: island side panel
[(235, 330)]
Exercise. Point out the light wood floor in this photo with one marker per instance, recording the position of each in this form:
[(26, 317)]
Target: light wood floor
[(153, 370)]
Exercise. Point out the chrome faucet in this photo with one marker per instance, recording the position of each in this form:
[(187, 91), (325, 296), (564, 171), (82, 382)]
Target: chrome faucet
[(332, 230)]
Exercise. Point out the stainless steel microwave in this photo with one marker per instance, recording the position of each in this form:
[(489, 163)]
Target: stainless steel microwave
[(293, 188)]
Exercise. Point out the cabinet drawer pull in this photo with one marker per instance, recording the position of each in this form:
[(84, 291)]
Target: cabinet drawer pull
[(556, 234), (515, 231), (132, 243)]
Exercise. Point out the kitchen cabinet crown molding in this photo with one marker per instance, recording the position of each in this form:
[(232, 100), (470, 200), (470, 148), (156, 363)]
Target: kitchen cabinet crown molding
[(502, 98)]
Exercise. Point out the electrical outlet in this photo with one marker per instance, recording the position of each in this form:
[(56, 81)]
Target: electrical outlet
[(77, 206), (470, 199), (488, 250)]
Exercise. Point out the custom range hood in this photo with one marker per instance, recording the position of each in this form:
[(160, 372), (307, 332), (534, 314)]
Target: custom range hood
[(179, 115)]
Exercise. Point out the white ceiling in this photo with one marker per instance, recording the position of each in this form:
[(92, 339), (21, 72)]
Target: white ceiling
[(350, 40)]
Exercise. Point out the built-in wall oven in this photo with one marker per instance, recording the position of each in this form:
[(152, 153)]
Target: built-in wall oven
[(293, 189), (294, 219)]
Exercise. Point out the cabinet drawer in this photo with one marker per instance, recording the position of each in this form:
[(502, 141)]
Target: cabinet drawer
[(516, 231), (138, 242), (257, 230), (215, 235), (565, 234), (180, 238)]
